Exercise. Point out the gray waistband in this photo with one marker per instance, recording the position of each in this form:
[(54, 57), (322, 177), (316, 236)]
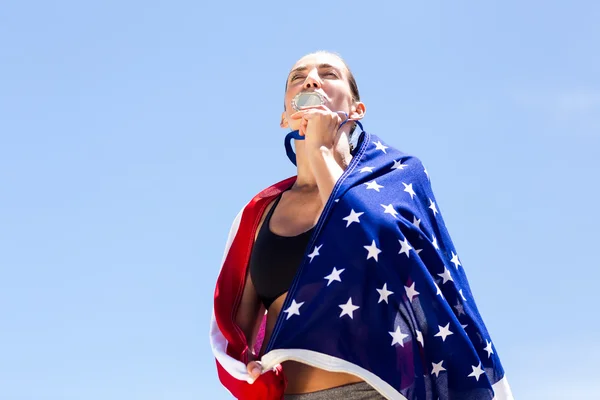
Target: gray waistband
[(353, 391)]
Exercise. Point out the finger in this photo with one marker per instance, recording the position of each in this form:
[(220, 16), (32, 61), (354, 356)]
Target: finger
[(302, 113), (322, 107), (328, 116), (343, 115), (297, 115), (254, 369), (303, 127), (310, 114), (303, 109)]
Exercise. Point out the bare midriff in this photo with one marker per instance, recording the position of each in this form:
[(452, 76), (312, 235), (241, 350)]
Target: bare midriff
[(303, 378)]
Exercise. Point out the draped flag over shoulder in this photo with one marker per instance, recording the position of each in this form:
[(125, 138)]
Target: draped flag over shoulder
[(381, 293)]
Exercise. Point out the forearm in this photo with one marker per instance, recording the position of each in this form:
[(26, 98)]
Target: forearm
[(248, 316), (326, 171)]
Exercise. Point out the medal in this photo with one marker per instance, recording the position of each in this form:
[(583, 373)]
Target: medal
[(307, 99)]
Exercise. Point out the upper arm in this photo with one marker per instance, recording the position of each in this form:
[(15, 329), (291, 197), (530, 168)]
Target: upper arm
[(251, 310)]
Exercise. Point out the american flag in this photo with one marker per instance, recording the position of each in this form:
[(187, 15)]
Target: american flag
[(381, 293)]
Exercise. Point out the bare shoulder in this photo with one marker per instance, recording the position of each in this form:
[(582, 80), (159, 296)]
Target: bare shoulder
[(263, 217)]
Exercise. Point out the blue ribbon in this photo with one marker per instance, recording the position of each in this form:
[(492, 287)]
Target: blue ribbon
[(296, 135)]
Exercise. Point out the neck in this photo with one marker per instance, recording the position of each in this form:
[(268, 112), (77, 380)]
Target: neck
[(306, 179)]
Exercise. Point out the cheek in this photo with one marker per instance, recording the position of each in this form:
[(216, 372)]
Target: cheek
[(340, 94), (288, 101)]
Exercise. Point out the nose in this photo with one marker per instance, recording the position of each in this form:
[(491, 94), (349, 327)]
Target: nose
[(313, 80)]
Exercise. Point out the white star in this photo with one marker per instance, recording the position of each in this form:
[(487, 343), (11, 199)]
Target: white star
[(488, 348), (446, 275), (459, 308), (444, 332), (373, 185), (461, 295), (398, 337), (409, 189), (315, 252), (348, 308), (418, 251), (455, 260), (406, 248), (411, 291), (383, 293), (416, 222), (438, 290), (477, 372), (380, 146), (420, 338), (426, 173), (293, 309), (464, 326), (437, 368), (367, 169), (433, 207), (389, 209), (353, 217), (373, 251), (334, 275), (435, 243), (398, 165)]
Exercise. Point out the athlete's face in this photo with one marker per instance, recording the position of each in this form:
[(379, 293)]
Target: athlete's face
[(322, 73)]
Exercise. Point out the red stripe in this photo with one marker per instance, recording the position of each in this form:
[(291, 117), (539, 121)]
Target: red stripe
[(228, 293)]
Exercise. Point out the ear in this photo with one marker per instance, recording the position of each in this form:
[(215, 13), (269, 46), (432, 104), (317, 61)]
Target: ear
[(357, 111), (284, 122)]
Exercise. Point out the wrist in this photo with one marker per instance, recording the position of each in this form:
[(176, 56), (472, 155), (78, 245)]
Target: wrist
[(323, 163), (320, 152)]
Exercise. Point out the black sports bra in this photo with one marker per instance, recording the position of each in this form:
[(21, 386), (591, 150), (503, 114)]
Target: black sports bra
[(275, 260)]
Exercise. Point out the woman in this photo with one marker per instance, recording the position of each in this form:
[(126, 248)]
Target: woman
[(281, 232), (281, 243)]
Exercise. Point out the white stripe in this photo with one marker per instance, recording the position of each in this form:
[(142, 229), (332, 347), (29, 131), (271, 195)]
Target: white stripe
[(329, 363), (235, 226), (502, 390), (319, 360), (218, 343)]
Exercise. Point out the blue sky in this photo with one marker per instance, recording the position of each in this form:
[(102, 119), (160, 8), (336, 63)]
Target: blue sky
[(131, 133)]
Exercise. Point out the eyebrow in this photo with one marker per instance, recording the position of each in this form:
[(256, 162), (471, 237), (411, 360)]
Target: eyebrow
[(304, 68)]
